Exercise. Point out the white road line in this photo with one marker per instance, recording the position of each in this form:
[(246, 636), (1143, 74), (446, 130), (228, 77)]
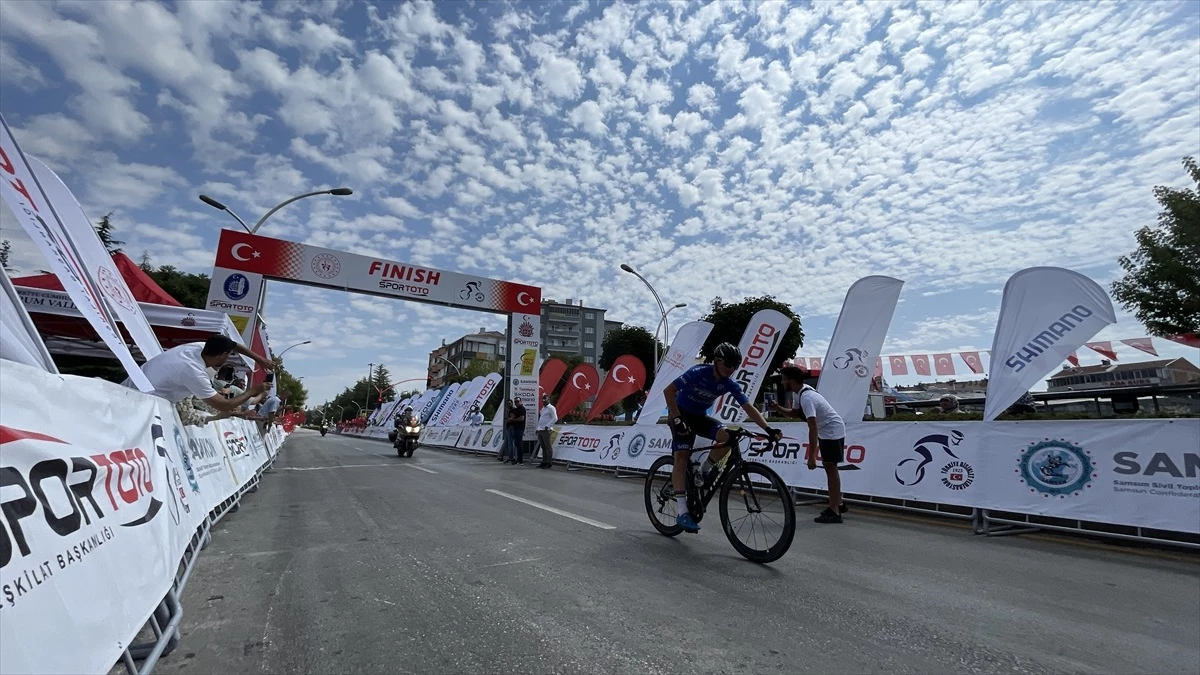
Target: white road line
[(320, 468), (419, 468), (551, 509)]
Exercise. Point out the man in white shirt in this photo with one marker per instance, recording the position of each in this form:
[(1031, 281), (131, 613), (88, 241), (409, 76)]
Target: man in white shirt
[(476, 417), (181, 372), (546, 421), (271, 407), (826, 434)]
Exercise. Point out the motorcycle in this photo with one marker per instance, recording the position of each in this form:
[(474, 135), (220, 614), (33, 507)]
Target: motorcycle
[(404, 438), (324, 429)]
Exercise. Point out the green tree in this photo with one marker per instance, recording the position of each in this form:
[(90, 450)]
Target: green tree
[(729, 321), (1161, 285), (381, 381), (285, 381), (474, 368), (633, 340), (5, 251), (104, 230), (191, 290), (351, 399)]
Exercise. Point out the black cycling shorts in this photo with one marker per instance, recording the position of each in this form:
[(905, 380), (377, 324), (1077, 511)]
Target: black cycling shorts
[(698, 425), (833, 450)]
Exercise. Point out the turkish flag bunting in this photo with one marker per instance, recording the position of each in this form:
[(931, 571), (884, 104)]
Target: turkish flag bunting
[(972, 361), (626, 377), (581, 386), (1189, 339), (814, 363), (878, 367), (1143, 344), (921, 364), (552, 372), (943, 364), (899, 365), (800, 362), (1102, 348), (1074, 359)]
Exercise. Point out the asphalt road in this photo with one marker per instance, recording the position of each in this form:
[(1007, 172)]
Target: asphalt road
[(351, 560)]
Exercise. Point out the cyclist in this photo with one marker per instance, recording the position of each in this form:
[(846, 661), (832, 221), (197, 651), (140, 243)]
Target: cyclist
[(688, 400)]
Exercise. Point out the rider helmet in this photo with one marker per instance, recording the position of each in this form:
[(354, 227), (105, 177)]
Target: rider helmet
[(730, 355)]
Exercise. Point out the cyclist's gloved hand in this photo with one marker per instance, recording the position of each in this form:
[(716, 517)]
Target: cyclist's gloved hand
[(775, 434), (679, 427)]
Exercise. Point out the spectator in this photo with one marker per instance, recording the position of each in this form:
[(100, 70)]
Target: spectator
[(1026, 405), (476, 417), (181, 373), (514, 428), (273, 408), (546, 420), (948, 404), (826, 435), (503, 454)]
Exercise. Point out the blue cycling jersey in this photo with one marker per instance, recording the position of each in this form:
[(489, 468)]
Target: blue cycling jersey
[(698, 387)]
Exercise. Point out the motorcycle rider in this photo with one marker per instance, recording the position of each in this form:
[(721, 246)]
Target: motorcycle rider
[(406, 418)]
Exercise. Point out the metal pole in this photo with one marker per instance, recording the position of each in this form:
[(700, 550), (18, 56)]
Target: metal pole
[(370, 374), (661, 307)]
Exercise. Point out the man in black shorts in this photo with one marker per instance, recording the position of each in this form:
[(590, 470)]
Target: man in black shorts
[(826, 434)]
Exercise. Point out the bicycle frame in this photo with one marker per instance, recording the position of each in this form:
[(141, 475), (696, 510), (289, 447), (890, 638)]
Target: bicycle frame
[(701, 495)]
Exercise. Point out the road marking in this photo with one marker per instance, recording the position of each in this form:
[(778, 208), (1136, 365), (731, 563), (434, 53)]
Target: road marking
[(511, 562), (321, 468), (419, 468), (551, 509)]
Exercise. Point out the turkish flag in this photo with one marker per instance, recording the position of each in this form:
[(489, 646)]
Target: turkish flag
[(552, 372), (626, 377), (1189, 339), (878, 367), (814, 364), (921, 364), (258, 345), (972, 361), (1144, 344), (1102, 348), (800, 362), (943, 364), (899, 365), (581, 385), (1074, 359)]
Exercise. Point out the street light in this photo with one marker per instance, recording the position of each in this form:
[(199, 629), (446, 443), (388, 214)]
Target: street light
[(440, 358), (298, 344), (370, 374), (661, 307), (662, 323)]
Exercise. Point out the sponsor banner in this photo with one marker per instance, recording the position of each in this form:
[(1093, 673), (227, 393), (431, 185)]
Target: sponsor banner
[(448, 395), (481, 438), (315, 266), (444, 436), (524, 365), (465, 393), (96, 259), (856, 343), (482, 395), (236, 293), (38, 217), (759, 344), (689, 339), (1046, 314)]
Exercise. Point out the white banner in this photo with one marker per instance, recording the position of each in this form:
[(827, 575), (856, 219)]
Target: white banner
[(689, 339), (465, 393), (1046, 314), (236, 294), (96, 480), (447, 398), (759, 344), (37, 216), (96, 259), (19, 339), (481, 396), (857, 341), (524, 365), (430, 403)]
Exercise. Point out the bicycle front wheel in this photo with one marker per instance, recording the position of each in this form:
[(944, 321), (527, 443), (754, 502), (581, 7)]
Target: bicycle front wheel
[(660, 497), (757, 513)]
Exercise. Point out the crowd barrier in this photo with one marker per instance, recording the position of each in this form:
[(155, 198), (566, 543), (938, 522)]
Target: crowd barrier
[(1136, 473), (105, 500)]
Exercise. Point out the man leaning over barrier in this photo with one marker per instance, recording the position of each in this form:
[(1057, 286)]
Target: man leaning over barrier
[(181, 372)]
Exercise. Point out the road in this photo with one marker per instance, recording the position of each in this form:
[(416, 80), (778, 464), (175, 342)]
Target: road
[(351, 560)]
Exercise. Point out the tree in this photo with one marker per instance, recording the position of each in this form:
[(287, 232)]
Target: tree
[(474, 368), (5, 251), (633, 340), (729, 321), (381, 381), (285, 381), (191, 290), (1161, 285), (104, 230)]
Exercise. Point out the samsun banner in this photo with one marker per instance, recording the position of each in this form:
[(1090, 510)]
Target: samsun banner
[(856, 343), (97, 259), (1046, 314), (625, 378), (38, 218), (689, 339), (759, 344)]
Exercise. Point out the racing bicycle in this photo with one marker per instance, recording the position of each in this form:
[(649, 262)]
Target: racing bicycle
[(745, 487)]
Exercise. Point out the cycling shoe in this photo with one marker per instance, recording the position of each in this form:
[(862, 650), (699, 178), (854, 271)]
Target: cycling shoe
[(685, 521)]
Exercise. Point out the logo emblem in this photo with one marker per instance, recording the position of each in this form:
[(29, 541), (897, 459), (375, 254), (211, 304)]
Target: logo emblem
[(958, 475), (181, 448), (911, 471), (854, 357), (326, 265), (236, 286), (496, 438), (189, 320), (112, 287), (526, 329), (636, 445), (1056, 468)]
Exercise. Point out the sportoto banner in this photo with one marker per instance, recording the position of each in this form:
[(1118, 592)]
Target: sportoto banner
[(525, 364), (759, 344), (481, 395), (236, 293), (689, 339), (1141, 473), (856, 343), (1045, 315), (448, 395), (464, 394), (98, 480)]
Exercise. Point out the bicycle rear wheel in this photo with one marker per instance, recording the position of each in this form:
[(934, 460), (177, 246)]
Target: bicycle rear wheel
[(763, 520), (660, 497)]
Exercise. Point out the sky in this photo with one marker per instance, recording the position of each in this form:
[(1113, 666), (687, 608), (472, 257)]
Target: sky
[(721, 149)]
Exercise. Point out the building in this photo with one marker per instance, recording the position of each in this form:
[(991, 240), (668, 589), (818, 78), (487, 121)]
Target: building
[(925, 391), (487, 346), (570, 329), (1108, 375)]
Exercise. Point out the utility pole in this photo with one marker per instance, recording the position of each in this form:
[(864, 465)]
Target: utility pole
[(370, 374)]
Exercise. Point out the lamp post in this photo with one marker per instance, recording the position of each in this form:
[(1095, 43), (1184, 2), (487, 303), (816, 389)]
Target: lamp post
[(262, 291), (341, 412), (661, 307), (439, 358), (298, 344), (370, 374), (662, 324)]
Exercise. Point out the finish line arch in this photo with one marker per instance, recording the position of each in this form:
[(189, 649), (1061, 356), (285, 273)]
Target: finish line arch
[(246, 261)]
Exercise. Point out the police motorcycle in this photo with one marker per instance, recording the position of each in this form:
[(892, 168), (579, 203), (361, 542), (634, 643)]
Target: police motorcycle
[(324, 428), (406, 433)]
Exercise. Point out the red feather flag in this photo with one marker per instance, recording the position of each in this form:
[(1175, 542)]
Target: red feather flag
[(626, 377), (580, 386), (552, 372)]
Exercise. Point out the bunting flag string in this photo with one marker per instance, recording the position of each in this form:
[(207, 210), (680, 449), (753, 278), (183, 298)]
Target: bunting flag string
[(944, 364)]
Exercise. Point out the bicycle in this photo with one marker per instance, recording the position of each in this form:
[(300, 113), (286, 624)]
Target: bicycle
[(756, 484)]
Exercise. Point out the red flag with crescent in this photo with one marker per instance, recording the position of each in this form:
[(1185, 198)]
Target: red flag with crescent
[(972, 361), (626, 377), (899, 365), (921, 364), (943, 364), (581, 385), (552, 372)]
